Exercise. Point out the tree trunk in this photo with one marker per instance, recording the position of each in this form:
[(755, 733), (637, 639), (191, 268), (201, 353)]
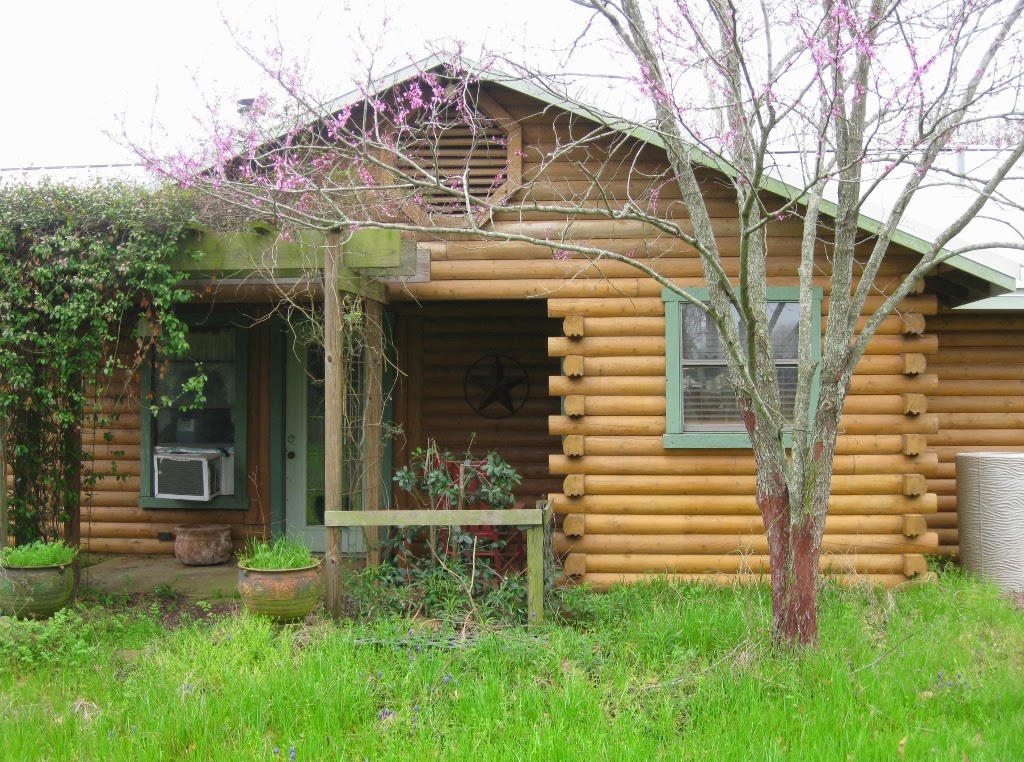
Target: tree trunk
[(793, 551), (795, 589)]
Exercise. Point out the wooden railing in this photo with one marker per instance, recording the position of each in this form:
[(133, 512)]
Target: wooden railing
[(533, 520)]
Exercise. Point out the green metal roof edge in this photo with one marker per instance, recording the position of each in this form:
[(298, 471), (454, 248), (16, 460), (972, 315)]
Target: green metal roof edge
[(1008, 302), (773, 185)]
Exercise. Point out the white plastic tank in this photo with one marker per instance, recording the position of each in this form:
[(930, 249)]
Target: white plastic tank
[(990, 505)]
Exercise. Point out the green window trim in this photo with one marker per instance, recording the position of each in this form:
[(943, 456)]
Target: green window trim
[(240, 411), (676, 435)]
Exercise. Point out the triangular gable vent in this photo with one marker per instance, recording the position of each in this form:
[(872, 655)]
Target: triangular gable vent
[(482, 156), (459, 154)]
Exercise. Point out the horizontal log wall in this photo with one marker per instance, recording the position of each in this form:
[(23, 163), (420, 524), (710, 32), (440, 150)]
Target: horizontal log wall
[(113, 522), (631, 509), (437, 344), (979, 402), (628, 507)]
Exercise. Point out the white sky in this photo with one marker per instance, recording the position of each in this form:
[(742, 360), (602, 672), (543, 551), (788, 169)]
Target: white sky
[(71, 69)]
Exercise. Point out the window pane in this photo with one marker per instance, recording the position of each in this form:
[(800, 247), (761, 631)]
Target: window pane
[(212, 424), (701, 340), (700, 337), (315, 441), (708, 397), (784, 324), (316, 404), (786, 374)]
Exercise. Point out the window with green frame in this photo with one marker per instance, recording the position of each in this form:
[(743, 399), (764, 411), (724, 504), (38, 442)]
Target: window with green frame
[(700, 403), (185, 429)]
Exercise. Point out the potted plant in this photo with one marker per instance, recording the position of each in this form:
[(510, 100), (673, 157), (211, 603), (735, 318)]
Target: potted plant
[(36, 579), (279, 579)]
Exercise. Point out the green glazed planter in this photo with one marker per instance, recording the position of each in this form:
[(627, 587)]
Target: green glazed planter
[(35, 592), (284, 595)]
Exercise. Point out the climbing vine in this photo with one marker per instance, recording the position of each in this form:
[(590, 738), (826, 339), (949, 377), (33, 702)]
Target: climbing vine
[(87, 291)]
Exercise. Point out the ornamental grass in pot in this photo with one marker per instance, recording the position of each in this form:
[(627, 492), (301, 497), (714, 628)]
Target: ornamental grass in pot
[(37, 579), (279, 579)]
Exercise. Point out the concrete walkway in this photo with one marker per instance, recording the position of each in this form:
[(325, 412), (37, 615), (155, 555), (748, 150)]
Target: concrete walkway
[(147, 574)]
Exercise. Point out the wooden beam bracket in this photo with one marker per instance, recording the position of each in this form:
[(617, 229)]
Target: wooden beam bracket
[(915, 444), (575, 565), (574, 525), (574, 485), (572, 366), (914, 363), (573, 327), (575, 405), (914, 403), (573, 445), (914, 484)]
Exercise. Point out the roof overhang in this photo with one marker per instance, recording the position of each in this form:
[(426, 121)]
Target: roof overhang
[(991, 280)]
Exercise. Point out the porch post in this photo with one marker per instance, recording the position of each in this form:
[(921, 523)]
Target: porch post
[(374, 413), (334, 410)]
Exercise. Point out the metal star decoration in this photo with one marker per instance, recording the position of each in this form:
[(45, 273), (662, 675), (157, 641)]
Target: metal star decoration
[(496, 386)]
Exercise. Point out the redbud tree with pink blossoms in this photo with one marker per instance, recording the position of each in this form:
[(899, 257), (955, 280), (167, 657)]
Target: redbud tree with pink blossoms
[(857, 106)]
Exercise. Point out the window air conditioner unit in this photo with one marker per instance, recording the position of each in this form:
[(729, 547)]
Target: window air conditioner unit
[(192, 474)]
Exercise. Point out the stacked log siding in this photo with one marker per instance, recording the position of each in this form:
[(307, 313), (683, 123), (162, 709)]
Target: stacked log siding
[(628, 508), (443, 340), (113, 522), (979, 402)]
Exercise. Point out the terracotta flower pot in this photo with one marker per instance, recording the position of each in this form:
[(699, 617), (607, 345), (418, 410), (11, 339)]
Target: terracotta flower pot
[(202, 544), (35, 592), (284, 595)]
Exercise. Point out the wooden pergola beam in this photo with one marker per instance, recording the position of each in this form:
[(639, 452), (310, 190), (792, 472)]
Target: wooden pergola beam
[(365, 257)]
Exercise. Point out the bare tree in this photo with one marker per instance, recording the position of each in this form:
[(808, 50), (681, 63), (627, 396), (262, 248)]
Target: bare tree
[(844, 101)]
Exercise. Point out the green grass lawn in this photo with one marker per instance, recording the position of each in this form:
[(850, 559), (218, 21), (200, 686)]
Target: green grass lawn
[(645, 673)]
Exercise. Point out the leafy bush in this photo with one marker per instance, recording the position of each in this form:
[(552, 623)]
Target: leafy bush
[(443, 481), (64, 639), (79, 267), (282, 553), (38, 553)]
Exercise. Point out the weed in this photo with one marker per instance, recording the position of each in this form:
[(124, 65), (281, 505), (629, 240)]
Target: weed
[(653, 672), (282, 553), (165, 592)]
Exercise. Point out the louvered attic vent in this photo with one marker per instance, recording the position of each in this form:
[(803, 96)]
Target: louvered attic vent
[(485, 154), (456, 153)]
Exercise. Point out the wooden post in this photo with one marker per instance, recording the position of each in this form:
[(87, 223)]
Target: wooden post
[(334, 411), (372, 423), (535, 574)]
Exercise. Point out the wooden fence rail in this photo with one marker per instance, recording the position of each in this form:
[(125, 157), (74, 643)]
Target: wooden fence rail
[(533, 520)]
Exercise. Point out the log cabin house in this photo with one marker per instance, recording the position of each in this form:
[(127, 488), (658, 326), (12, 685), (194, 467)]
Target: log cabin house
[(574, 373)]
